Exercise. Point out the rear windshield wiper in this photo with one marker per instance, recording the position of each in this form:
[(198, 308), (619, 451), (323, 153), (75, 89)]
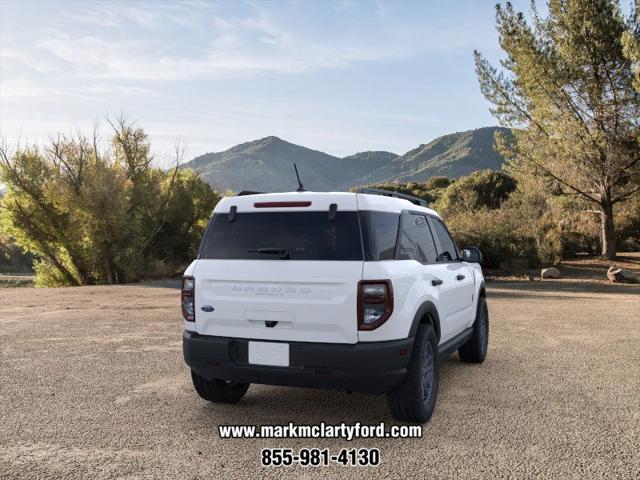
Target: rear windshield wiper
[(283, 252)]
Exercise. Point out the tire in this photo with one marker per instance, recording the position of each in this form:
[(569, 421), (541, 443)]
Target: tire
[(415, 398), (475, 349), (218, 391)]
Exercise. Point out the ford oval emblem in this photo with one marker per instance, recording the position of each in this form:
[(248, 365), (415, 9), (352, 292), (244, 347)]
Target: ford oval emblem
[(207, 308)]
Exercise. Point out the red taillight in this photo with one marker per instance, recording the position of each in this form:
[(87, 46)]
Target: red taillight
[(375, 303), (281, 204), (188, 299)]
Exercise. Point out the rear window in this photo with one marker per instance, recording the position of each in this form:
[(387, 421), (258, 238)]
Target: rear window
[(302, 235)]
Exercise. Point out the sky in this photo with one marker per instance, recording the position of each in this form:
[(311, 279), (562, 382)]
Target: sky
[(340, 77)]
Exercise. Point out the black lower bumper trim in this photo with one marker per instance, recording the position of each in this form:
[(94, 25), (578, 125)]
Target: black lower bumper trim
[(374, 367)]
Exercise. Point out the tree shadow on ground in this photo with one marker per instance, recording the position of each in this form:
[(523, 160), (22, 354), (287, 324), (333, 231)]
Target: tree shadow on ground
[(560, 286)]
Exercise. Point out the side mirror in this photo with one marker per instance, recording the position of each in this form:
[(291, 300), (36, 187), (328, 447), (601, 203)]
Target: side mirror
[(471, 255)]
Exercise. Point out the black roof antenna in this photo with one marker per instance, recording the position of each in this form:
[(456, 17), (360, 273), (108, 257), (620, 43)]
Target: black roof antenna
[(300, 186)]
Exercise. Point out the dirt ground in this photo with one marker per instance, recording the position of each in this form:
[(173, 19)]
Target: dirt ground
[(93, 385), (581, 269)]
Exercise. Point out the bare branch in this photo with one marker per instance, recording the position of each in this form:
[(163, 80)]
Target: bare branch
[(555, 177), (179, 152), (626, 196)]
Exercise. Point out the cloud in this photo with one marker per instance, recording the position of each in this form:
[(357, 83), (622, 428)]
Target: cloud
[(141, 16), (178, 63), (110, 16), (227, 55), (234, 46), (122, 41), (99, 17)]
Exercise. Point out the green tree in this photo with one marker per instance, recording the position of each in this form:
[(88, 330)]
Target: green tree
[(481, 189), (185, 219), (93, 216), (435, 183), (567, 91), (429, 191)]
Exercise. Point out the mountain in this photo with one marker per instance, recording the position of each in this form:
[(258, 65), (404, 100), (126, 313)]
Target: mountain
[(453, 156), (267, 164), (357, 168)]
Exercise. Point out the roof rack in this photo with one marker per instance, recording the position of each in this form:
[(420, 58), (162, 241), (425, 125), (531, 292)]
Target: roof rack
[(389, 193), (247, 192)]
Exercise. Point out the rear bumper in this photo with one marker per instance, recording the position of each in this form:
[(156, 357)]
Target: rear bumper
[(375, 367)]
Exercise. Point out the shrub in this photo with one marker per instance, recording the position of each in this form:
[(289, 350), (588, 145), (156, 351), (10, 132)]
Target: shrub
[(13, 259), (482, 189), (435, 183), (493, 232), (93, 216)]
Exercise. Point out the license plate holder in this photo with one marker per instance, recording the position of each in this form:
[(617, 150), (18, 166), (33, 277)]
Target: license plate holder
[(269, 353)]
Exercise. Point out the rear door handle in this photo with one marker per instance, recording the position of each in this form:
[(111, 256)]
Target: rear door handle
[(460, 277), (436, 281)]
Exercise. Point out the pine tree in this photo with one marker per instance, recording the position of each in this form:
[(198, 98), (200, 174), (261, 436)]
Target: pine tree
[(566, 89)]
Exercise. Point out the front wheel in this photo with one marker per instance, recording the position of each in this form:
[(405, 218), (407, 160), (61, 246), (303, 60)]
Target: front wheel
[(218, 391), (475, 349), (415, 398)]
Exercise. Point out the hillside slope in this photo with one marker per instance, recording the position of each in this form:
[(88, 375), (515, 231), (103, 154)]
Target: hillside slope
[(452, 156), (267, 164)]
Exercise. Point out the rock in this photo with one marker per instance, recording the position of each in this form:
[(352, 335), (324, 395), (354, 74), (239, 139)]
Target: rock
[(551, 272), (622, 275)]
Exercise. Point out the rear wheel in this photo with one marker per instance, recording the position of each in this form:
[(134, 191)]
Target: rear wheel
[(475, 349), (415, 398), (219, 391)]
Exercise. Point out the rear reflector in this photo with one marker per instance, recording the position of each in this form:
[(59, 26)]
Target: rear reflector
[(281, 204)]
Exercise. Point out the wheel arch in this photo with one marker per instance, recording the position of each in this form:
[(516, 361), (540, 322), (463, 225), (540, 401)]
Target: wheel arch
[(482, 291), (427, 314)]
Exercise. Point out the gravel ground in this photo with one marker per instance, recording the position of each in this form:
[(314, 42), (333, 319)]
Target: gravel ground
[(92, 385)]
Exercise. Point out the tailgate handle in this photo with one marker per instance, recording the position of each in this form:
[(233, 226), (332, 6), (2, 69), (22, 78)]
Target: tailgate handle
[(270, 323)]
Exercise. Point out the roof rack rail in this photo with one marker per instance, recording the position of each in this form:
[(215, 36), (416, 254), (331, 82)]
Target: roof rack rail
[(389, 193), (247, 192)]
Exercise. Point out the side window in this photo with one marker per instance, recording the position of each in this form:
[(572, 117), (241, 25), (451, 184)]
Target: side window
[(379, 234), (447, 246), (416, 242)]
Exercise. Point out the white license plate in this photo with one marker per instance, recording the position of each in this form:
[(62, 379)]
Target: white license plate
[(267, 353)]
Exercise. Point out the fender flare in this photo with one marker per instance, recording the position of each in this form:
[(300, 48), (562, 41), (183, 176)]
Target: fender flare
[(482, 291), (427, 308)]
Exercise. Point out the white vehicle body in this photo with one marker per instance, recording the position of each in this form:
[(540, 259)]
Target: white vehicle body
[(316, 300), (278, 295)]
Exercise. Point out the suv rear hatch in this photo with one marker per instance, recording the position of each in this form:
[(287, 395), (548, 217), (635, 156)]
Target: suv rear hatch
[(281, 267)]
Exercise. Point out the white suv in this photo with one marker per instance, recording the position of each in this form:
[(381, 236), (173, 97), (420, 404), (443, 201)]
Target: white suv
[(361, 292)]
